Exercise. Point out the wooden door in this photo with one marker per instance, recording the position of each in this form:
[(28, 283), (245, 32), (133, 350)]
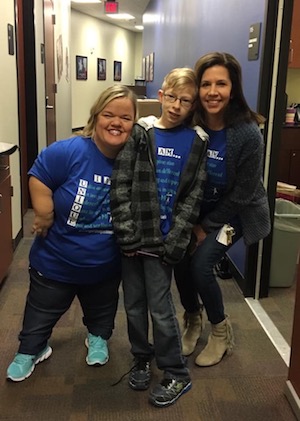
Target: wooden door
[(6, 248), (294, 56), (295, 168), (50, 86), (293, 383), (22, 105)]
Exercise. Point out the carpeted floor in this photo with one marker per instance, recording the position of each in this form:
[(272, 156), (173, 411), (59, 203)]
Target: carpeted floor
[(246, 386), (279, 305)]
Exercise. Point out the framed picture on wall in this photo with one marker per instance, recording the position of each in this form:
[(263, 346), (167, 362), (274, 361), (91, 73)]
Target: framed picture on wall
[(144, 68), (117, 71), (147, 69), (151, 67), (81, 67), (59, 57), (101, 69)]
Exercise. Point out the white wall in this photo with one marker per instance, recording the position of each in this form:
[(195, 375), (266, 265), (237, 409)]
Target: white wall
[(293, 86), (9, 131), (63, 101), (94, 39), (90, 37), (40, 74), (138, 54), (63, 96)]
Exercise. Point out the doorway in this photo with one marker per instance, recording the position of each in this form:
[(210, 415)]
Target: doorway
[(274, 308), (27, 86)]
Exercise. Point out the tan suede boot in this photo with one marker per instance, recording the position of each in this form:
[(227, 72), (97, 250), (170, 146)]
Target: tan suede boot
[(193, 326), (220, 341)]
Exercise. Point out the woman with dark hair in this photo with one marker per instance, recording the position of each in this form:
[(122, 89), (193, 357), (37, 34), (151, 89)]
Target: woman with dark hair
[(234, 203)]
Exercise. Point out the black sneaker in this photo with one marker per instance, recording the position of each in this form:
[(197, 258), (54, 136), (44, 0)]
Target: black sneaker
[(140, 375), (222, 269), (168, 391)]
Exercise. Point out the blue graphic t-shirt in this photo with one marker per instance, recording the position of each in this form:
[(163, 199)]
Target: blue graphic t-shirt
[(80, 247), (172, 149), (216, 170)]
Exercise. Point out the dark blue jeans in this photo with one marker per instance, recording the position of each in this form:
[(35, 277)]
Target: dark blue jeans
[(146, 285), (48, 300), (195, 277)]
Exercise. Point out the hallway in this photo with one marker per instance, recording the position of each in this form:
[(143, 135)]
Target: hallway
[(246, 386)]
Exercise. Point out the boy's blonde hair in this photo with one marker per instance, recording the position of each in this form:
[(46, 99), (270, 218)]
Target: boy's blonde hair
[(180, 77)]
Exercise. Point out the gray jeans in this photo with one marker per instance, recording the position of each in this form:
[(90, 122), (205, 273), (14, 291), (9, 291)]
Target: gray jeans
[(146, 285)]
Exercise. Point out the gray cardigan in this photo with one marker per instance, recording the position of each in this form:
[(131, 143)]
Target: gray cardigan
[(245, 195)]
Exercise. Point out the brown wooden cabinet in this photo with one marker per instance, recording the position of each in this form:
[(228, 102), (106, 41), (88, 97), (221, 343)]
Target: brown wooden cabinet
[(292, 390), (294, 56), (6, 247), (289, 156)]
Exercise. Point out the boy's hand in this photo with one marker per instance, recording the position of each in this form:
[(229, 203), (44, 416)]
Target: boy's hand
[(130, 254)]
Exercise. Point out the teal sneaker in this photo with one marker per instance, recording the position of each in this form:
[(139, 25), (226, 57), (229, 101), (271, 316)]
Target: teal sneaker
[(97, 350), (24, 364)]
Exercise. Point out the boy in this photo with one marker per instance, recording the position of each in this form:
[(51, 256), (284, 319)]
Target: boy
[(156, 189)]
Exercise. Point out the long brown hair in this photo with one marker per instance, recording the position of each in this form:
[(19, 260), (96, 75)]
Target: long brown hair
[(237, 110)]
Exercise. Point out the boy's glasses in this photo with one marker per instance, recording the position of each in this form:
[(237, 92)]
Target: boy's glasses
[(186, 103)]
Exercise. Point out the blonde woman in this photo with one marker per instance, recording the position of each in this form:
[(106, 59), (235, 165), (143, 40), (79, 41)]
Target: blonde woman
[(74, 252)]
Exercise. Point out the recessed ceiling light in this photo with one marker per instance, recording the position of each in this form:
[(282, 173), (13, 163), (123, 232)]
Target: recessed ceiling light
[(139, 27), (120, 16), (86, 1)]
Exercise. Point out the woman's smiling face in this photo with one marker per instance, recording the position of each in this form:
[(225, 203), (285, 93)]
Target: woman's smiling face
[(113, 126), (215, 91)]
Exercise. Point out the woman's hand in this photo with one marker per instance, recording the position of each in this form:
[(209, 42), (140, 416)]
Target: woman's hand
[(41, 224), (200, 234), (43, 206)]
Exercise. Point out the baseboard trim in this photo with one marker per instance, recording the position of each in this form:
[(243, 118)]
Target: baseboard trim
[(270, 329), (17, 240), (293, 398)]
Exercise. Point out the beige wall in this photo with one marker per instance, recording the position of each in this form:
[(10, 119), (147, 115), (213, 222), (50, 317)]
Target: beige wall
[(62, 30), (108, 42), (94, 39), (40, 74), (63, 106), (293, 86), (9, 131), (74, 98), (138, 55)]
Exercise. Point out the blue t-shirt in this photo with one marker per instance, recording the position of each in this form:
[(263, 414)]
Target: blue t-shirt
[(172, 150), (80, 246), (216, 170)]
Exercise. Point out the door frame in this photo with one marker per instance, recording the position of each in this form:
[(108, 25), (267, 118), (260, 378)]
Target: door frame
[(273, 74), (50, 83), (272, 105), (27, 101)]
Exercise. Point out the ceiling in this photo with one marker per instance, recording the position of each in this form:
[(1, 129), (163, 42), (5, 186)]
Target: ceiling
[(135, 8)]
